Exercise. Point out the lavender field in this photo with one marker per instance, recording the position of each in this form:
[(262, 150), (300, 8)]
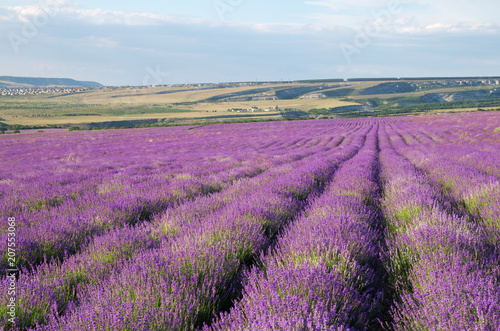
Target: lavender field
[(349, 224)]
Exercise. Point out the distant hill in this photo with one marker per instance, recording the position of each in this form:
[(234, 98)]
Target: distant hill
[(389, 88), (9, 81)]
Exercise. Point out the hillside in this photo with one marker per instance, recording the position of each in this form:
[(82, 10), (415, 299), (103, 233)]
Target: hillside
[(9, 81), (131, 106)]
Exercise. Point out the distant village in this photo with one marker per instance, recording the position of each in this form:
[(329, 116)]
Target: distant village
[(472, 82), (40, 90), (253, 109)]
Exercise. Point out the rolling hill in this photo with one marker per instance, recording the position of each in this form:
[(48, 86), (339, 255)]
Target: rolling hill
[(9, 81)]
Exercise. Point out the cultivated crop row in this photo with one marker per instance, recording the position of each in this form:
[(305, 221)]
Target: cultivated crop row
[(443, 266), (196, 270), (321, 275), (359, 224)]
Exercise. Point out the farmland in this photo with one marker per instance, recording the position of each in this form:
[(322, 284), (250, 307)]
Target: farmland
[(131, 106), (343, 224)]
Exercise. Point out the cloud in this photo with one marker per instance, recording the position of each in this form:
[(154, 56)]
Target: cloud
[(102, 42), (70, 12), (450, 29), (95, 16), (289, 29), (116, 47), (44, 9), (104, 17), (418, 16)]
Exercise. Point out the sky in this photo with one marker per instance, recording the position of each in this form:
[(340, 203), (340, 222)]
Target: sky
[(209, 41)]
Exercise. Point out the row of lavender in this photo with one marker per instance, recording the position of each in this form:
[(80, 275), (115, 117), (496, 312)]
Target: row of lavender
[(195, 271), (326, 271), (476, 136), (443, 266), (473, 185), (60, 204), (53, 286), (441, 255), (338, 225)]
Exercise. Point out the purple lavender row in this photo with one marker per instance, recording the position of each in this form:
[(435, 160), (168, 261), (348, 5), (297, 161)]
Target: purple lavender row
[(101, 257), (53, 285), (108, 170), (66, 229), (476, 192), (478, 148), (187, 280), (483, 155), (180, 219), (170, 186), (60, 162), (56, 285), (66, 232), (442, 266), (470, 129), (325, 273), (48, 182), (74, 192), (487, 161)]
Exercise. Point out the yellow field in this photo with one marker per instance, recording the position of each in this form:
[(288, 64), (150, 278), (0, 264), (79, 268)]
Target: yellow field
[(150, 96), (64, 120), (129, 104), (300, 104)]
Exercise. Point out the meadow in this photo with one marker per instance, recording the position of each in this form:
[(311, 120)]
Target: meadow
[(342, 224)]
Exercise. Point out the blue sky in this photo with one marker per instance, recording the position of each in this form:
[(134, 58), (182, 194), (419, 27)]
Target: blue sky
[(162, 42)]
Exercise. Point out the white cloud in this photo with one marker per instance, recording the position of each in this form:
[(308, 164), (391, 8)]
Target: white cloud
[(115, 47), (101, 16), (449, 28), (282, 28), (47, 8), (95, 16), (102, 42), (418, 16)]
